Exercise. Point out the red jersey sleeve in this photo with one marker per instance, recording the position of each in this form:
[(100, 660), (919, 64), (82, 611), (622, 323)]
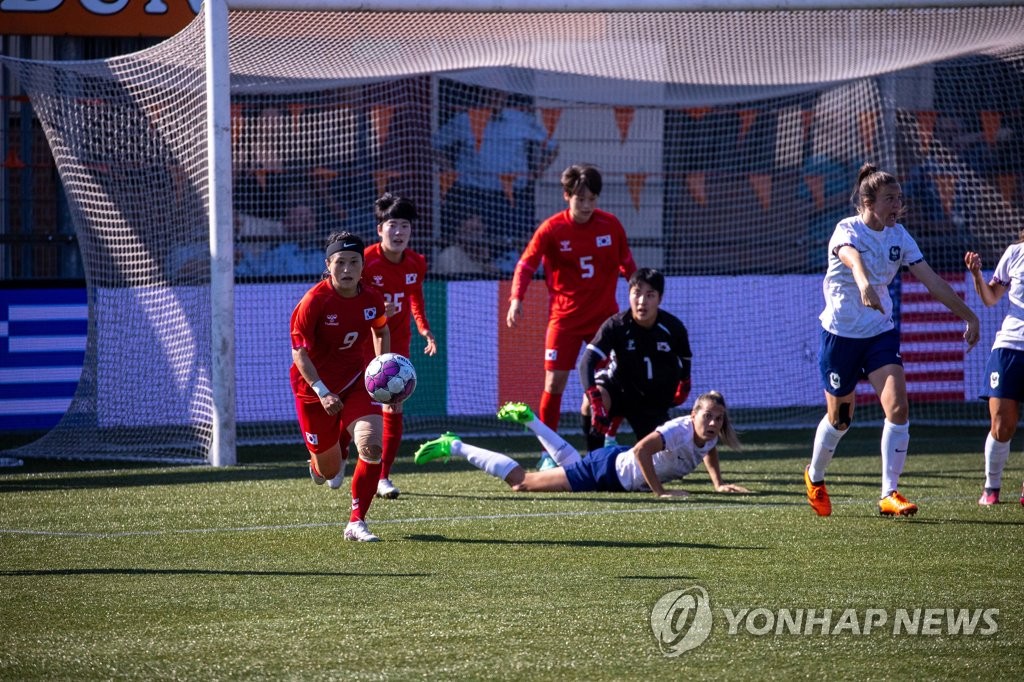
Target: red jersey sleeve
[(530, 261), (416, 301)]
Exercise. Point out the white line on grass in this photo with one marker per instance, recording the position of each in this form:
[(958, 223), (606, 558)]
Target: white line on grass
[(666, 508)]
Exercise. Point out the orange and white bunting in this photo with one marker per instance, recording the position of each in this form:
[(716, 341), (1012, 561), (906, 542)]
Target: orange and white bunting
[(868, 121), (816, 186), (478, 118), (635, 184), (762, 184), (550, 116), (508, 185), (624, 120), (445, 181), (696, 183), (381, 116), (991, 121)]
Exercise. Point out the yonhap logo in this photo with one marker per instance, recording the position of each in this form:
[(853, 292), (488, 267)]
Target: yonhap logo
[(681, 620)]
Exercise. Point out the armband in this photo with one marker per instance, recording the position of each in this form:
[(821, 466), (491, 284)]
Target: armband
[(320, 389)]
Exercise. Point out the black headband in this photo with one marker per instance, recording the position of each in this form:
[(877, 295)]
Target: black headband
[(344, 245)]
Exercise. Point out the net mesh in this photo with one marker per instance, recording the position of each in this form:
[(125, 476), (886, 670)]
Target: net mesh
[(728, 141)]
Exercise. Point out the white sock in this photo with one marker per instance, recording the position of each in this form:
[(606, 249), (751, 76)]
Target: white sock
[(494, 463), (895, 441), (826, 438), (996, 454), (560, 450)]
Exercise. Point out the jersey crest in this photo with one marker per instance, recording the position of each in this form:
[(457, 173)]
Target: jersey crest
[(894, 253), (378, 280), (332, 320), (410, 278), (369, 313), (604, 240)]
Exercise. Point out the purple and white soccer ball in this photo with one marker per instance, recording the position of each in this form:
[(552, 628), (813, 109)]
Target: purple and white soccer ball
[(390, 378)]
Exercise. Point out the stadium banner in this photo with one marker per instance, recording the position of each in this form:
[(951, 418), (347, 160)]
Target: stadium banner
[(480, 362), (97, 18), (43, 334)]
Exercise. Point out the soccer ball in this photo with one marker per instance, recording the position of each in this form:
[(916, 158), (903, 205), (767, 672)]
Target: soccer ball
[(390, 378)]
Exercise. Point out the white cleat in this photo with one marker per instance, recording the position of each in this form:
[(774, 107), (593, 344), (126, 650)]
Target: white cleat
[(387, 489), (357, 530), (335, 483)]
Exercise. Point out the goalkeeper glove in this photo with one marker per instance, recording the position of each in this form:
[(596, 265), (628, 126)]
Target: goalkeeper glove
[(682, 392), (600, 422)]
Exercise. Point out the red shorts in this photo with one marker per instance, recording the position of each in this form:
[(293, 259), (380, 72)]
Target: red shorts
[(322, 431), (562, 348)]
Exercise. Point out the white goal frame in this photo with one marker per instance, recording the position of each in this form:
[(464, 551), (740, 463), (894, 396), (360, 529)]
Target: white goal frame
[(218, 92)]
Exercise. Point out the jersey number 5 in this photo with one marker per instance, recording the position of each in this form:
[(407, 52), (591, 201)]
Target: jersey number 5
[(586, 267)]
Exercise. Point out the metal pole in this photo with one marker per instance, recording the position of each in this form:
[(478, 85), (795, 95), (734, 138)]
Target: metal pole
[(222, 271)]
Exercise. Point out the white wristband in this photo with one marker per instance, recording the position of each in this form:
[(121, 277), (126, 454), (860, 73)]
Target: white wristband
[(319, 389)]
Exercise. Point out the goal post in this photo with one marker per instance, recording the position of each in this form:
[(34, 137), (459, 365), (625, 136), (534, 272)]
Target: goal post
[(204, 173)]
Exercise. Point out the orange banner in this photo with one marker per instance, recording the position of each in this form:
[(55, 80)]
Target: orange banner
[(624, 119), (154, 18)]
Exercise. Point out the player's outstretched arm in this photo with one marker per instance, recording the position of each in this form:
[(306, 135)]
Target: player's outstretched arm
[(990, 292), (944, 294), (715, 472)]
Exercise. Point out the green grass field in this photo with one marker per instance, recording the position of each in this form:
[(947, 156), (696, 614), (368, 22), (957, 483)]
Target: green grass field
[(194, 573)]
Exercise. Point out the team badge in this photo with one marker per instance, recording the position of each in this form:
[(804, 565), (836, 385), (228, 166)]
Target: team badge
[(993, 380), (311, 438), (550, 354), (410, 278), (604, 240), (833, 380), (894, 254), (663, 347), (369, 313), (378, 280), (332, 320)]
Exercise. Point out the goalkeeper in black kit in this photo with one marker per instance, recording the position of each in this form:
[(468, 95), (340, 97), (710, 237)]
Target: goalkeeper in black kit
[(648, 365)]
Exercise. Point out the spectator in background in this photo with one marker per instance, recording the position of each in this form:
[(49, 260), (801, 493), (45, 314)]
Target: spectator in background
[(468, 251), (497, 165)]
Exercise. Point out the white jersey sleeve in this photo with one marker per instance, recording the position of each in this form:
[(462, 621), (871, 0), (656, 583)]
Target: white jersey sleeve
[(1010, 273)]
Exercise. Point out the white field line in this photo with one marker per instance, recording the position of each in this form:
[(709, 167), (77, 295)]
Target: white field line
[(667, 508)]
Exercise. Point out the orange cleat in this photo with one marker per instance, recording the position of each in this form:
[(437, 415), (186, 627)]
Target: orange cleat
[(817, 495), (896, 505)]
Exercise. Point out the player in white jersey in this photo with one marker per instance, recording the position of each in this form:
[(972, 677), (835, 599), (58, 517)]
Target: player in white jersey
[(859, 338), (1004, 384), (671, 451)]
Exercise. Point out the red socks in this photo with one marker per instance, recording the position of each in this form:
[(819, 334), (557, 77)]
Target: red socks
[(550, 409), (364, 487), (392, 439)]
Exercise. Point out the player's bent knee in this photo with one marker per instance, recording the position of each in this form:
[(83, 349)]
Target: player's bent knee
[(844, 418), (366, 434)]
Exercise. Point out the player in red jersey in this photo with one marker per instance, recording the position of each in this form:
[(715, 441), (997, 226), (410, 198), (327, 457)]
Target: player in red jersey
[(397, 271), (331, 328), (583, 250)]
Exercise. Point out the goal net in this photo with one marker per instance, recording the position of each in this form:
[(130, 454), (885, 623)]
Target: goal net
[(729, 143)]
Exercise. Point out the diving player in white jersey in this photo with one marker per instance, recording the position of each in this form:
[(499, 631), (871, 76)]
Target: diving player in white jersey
[(859, 338), (1004, 374), (671, 451)]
